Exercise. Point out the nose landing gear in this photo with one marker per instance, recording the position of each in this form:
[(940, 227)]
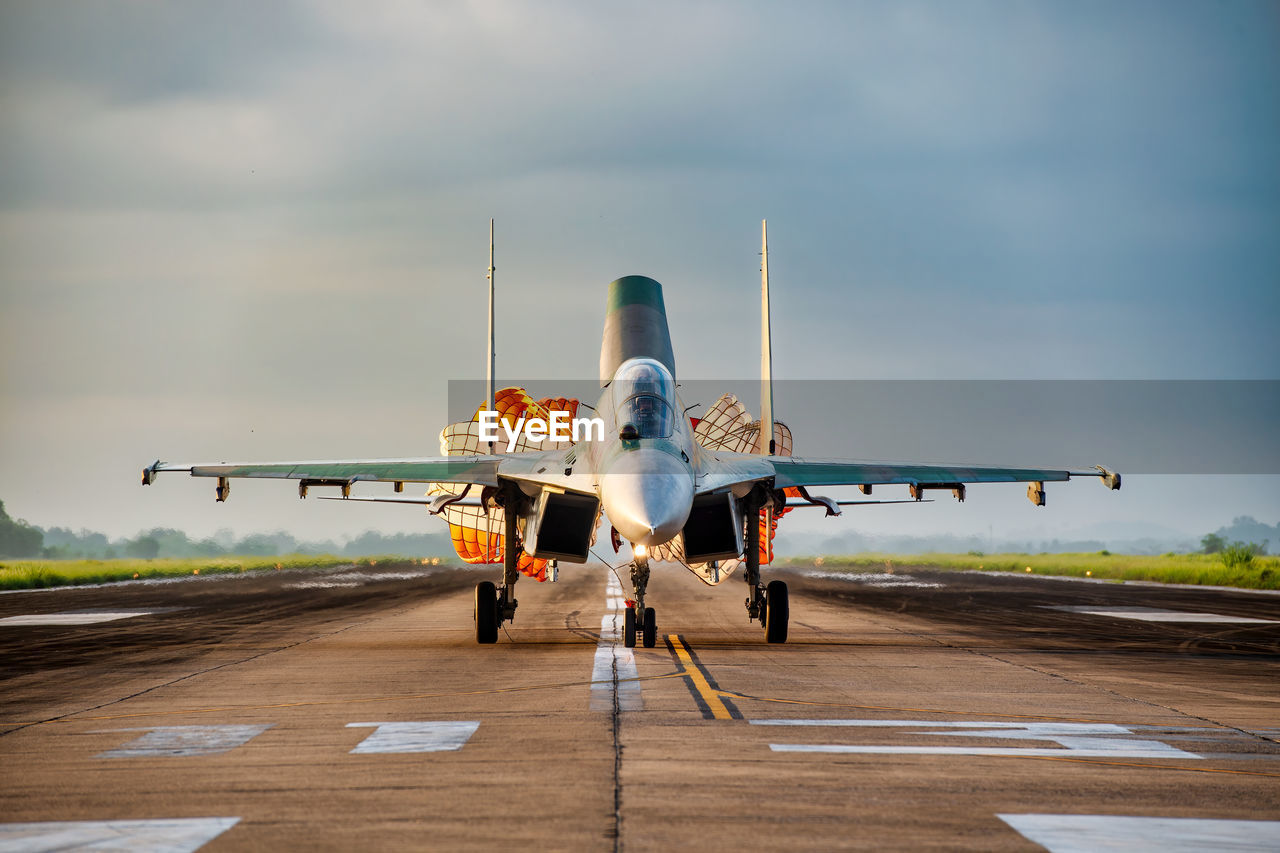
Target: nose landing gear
[(639, 619), (645, 628)]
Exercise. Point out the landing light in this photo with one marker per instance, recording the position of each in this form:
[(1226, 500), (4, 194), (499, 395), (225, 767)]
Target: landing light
[(641, 551)]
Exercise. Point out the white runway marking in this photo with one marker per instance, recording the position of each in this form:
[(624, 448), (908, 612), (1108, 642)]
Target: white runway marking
[(441, 736), (1091, 728), (141, 836), (351, 580), (1154, 614), (877, 579), (1087, 833), (1160, 751), (184, 740), (609, 650), (79, 617), (1093, 740)]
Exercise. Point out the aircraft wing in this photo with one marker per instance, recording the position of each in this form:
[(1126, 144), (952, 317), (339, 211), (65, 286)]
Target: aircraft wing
[(481, 470), (793, 471), (789, 471)]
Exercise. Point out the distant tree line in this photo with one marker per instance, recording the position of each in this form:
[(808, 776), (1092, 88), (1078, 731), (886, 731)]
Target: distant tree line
[(1245, 531), (20, 539), (17, 538), (1245, 535), (1229, 542)]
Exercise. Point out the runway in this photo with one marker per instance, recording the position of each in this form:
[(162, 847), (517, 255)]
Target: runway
[(351, 709)]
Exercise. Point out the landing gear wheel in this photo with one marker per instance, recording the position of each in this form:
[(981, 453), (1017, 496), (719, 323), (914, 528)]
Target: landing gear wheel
[(486, 612), (775, 630), (629, 628), (764, 613), (650, 629)]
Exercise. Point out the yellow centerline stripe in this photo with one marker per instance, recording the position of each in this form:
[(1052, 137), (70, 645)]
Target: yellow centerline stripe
[(708, 694)]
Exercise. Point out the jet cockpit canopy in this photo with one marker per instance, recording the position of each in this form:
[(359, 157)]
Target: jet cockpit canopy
[(647, 393)]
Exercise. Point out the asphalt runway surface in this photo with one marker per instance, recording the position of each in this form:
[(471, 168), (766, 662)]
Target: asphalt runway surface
[(350, 709)]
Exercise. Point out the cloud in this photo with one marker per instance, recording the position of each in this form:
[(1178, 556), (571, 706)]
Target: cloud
[(283, 206)]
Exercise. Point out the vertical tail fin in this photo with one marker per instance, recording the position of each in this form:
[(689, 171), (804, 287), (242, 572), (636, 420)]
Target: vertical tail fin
[(767, 446), (635, 325)]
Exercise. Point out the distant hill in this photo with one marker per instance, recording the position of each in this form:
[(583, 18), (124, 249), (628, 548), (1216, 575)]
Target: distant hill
[(1246, 528)]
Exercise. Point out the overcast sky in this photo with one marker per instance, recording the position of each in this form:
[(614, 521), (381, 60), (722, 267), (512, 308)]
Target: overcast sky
[(258, 231)]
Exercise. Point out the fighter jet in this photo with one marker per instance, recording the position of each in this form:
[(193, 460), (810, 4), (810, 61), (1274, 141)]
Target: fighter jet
[(644, 467)]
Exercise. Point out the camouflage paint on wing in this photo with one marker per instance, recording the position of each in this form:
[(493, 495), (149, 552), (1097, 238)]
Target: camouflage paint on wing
[(482, 470), (835, 472)]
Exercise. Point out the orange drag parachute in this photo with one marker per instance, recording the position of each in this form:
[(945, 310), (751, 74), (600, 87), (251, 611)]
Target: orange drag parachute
[(477, 535), (728, 426)]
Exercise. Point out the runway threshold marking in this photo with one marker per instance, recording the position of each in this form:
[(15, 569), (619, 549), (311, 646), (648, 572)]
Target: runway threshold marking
[(180, 741), (438, 736), (1076, 739), (1084, 744), (81, 617), (1079, 833), (180, 835), (1155, 614), (706, 692)]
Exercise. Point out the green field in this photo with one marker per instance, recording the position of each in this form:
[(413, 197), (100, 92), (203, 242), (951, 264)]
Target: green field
[(38, 574), (1201, 569)]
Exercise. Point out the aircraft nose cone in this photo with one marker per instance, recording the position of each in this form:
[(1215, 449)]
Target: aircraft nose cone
[(647, 495)]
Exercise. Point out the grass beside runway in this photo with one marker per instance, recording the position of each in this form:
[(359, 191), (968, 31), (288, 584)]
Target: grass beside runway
[(41, 574), (1197, 569)]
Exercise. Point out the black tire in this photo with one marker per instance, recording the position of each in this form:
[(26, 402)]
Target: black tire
[(779, 611), (650, 628), (764, 613), (486, 613), (629, 628)]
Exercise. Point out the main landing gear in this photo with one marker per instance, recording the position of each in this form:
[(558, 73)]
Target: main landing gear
[(768, 604), (638, 618), (495, 605)]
